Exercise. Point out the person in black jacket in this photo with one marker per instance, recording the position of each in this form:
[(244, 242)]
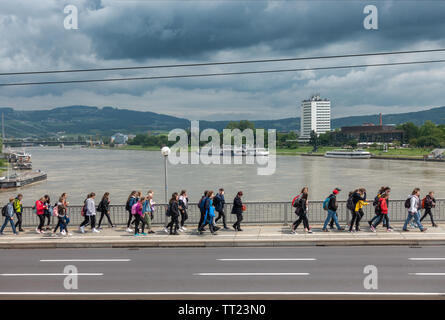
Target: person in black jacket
[(332, 211), (219, 203), (174, 214), (430, 202), (202, 210), (104, 209), (301, 211), (237, 209), (358, 195)]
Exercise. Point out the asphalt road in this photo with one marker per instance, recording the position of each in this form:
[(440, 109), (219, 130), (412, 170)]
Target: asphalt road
[(221, 273)]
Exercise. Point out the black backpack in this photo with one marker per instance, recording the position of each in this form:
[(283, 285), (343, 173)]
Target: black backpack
[(408, 203), (168, 211), (376, 200), (127, 206), (350, 204), (4, 210)]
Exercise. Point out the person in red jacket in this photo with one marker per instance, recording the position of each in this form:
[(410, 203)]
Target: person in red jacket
[(40, 208), (383, 207)]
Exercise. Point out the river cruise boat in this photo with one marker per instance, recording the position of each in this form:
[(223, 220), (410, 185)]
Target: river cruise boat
[(348, 154), (18, 180)]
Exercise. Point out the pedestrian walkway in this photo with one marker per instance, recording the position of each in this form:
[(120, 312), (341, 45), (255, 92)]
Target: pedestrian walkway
[(253, 235)]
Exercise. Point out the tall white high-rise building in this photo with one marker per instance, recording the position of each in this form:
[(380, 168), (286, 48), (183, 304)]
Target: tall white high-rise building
[(316, 116)]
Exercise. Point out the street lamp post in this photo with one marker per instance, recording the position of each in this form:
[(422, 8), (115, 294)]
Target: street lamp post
[(165, 151)]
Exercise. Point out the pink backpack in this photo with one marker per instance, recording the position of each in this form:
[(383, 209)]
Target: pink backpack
[(134, 208)]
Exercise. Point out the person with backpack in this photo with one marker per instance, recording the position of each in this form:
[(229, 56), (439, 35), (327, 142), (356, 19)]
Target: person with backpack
[(201, 210), (238, 208), (136, 211), (209, 215), (376, 204), (61, 208), (8, 213), (40, 207), (148, 211), (301, 207), (359, 201), (383, 209), (330, 204), (173, 209), (89, 211), (48, 211), (18, 210), (413, 204), (220, 203), (183, 206), (104, 209), (428, 203), (128, 205), (331, 223)]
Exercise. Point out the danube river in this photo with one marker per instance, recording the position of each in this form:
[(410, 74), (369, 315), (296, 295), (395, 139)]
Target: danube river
[(79, 171)]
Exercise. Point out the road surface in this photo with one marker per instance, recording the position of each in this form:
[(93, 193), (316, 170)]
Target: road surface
[(221, 273)]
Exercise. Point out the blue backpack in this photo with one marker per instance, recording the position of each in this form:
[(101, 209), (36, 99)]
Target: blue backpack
[(326, 203)]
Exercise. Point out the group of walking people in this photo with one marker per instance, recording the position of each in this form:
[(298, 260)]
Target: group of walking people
[(141, 210), (357, 200)]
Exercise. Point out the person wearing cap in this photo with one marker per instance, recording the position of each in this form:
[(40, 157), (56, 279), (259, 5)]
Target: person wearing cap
[(331, 224), (332, 211), (9, 217)]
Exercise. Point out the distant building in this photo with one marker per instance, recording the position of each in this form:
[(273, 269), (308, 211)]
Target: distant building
[(368, 134), (119, 138), (315, 116)]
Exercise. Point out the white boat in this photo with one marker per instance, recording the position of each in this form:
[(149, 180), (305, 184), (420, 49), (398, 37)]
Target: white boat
[(258, 152), (348, 154)]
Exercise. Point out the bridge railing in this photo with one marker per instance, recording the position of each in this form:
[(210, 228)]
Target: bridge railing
[(256, 213)]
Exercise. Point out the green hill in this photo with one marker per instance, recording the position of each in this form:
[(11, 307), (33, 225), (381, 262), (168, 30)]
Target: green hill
[(86, 120)]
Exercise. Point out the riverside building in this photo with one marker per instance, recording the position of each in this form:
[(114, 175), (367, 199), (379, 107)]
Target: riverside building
[(315, 116)]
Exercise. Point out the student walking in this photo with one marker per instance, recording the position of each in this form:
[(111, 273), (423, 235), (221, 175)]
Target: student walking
[(61, 208), (201, 210), (209, 213), (238, 209), (18, 210), (376, 204), (359, 201), (428, 203), (89, 210), (8, 213), (148, 211), (40, 207), (104, 209), (173, 207), (128, 205), (219, 203), (48, 211), (183, 206), (383, 209), (331, 205), (301, 205), (136, 210), (413, 205)]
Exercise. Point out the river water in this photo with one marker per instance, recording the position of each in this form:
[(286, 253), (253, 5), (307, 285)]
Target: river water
[(79, 171)]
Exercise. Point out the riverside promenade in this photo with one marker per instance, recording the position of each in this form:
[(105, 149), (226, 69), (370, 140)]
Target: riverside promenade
[(272, 235)]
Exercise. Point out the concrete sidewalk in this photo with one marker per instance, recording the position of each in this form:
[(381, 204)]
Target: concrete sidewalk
[(251, 236)]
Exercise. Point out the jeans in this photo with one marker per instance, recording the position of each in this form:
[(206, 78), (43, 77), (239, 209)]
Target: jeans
[(416, 216), (8, 219), (331, 215), (385, 219)]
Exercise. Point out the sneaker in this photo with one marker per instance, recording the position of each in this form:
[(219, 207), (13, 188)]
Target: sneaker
[(424, 229), (95, 230), (63, 233), (389, 230), (144, 234), (372, 228), (309, 231), (166, 230), (181, 230), (184, 228), (239, 229), (325, 230), (136, 234), (435, 225), (129, 230), (293, 232), (406, 230), (151, 231), (69, 234), (341, 229), (37, 230), (21, 230), (82, 229)]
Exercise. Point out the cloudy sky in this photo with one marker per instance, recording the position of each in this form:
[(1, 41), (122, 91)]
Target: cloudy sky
[(122, 33)]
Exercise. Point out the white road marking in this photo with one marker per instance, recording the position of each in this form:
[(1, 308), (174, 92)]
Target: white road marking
[(87, 260), (270, 259), (359, 293), (428, 274), (251, 274), (48, 274), (426, 259)]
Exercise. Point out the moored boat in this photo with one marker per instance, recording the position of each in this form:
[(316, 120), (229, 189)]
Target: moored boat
[(348, 154)]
